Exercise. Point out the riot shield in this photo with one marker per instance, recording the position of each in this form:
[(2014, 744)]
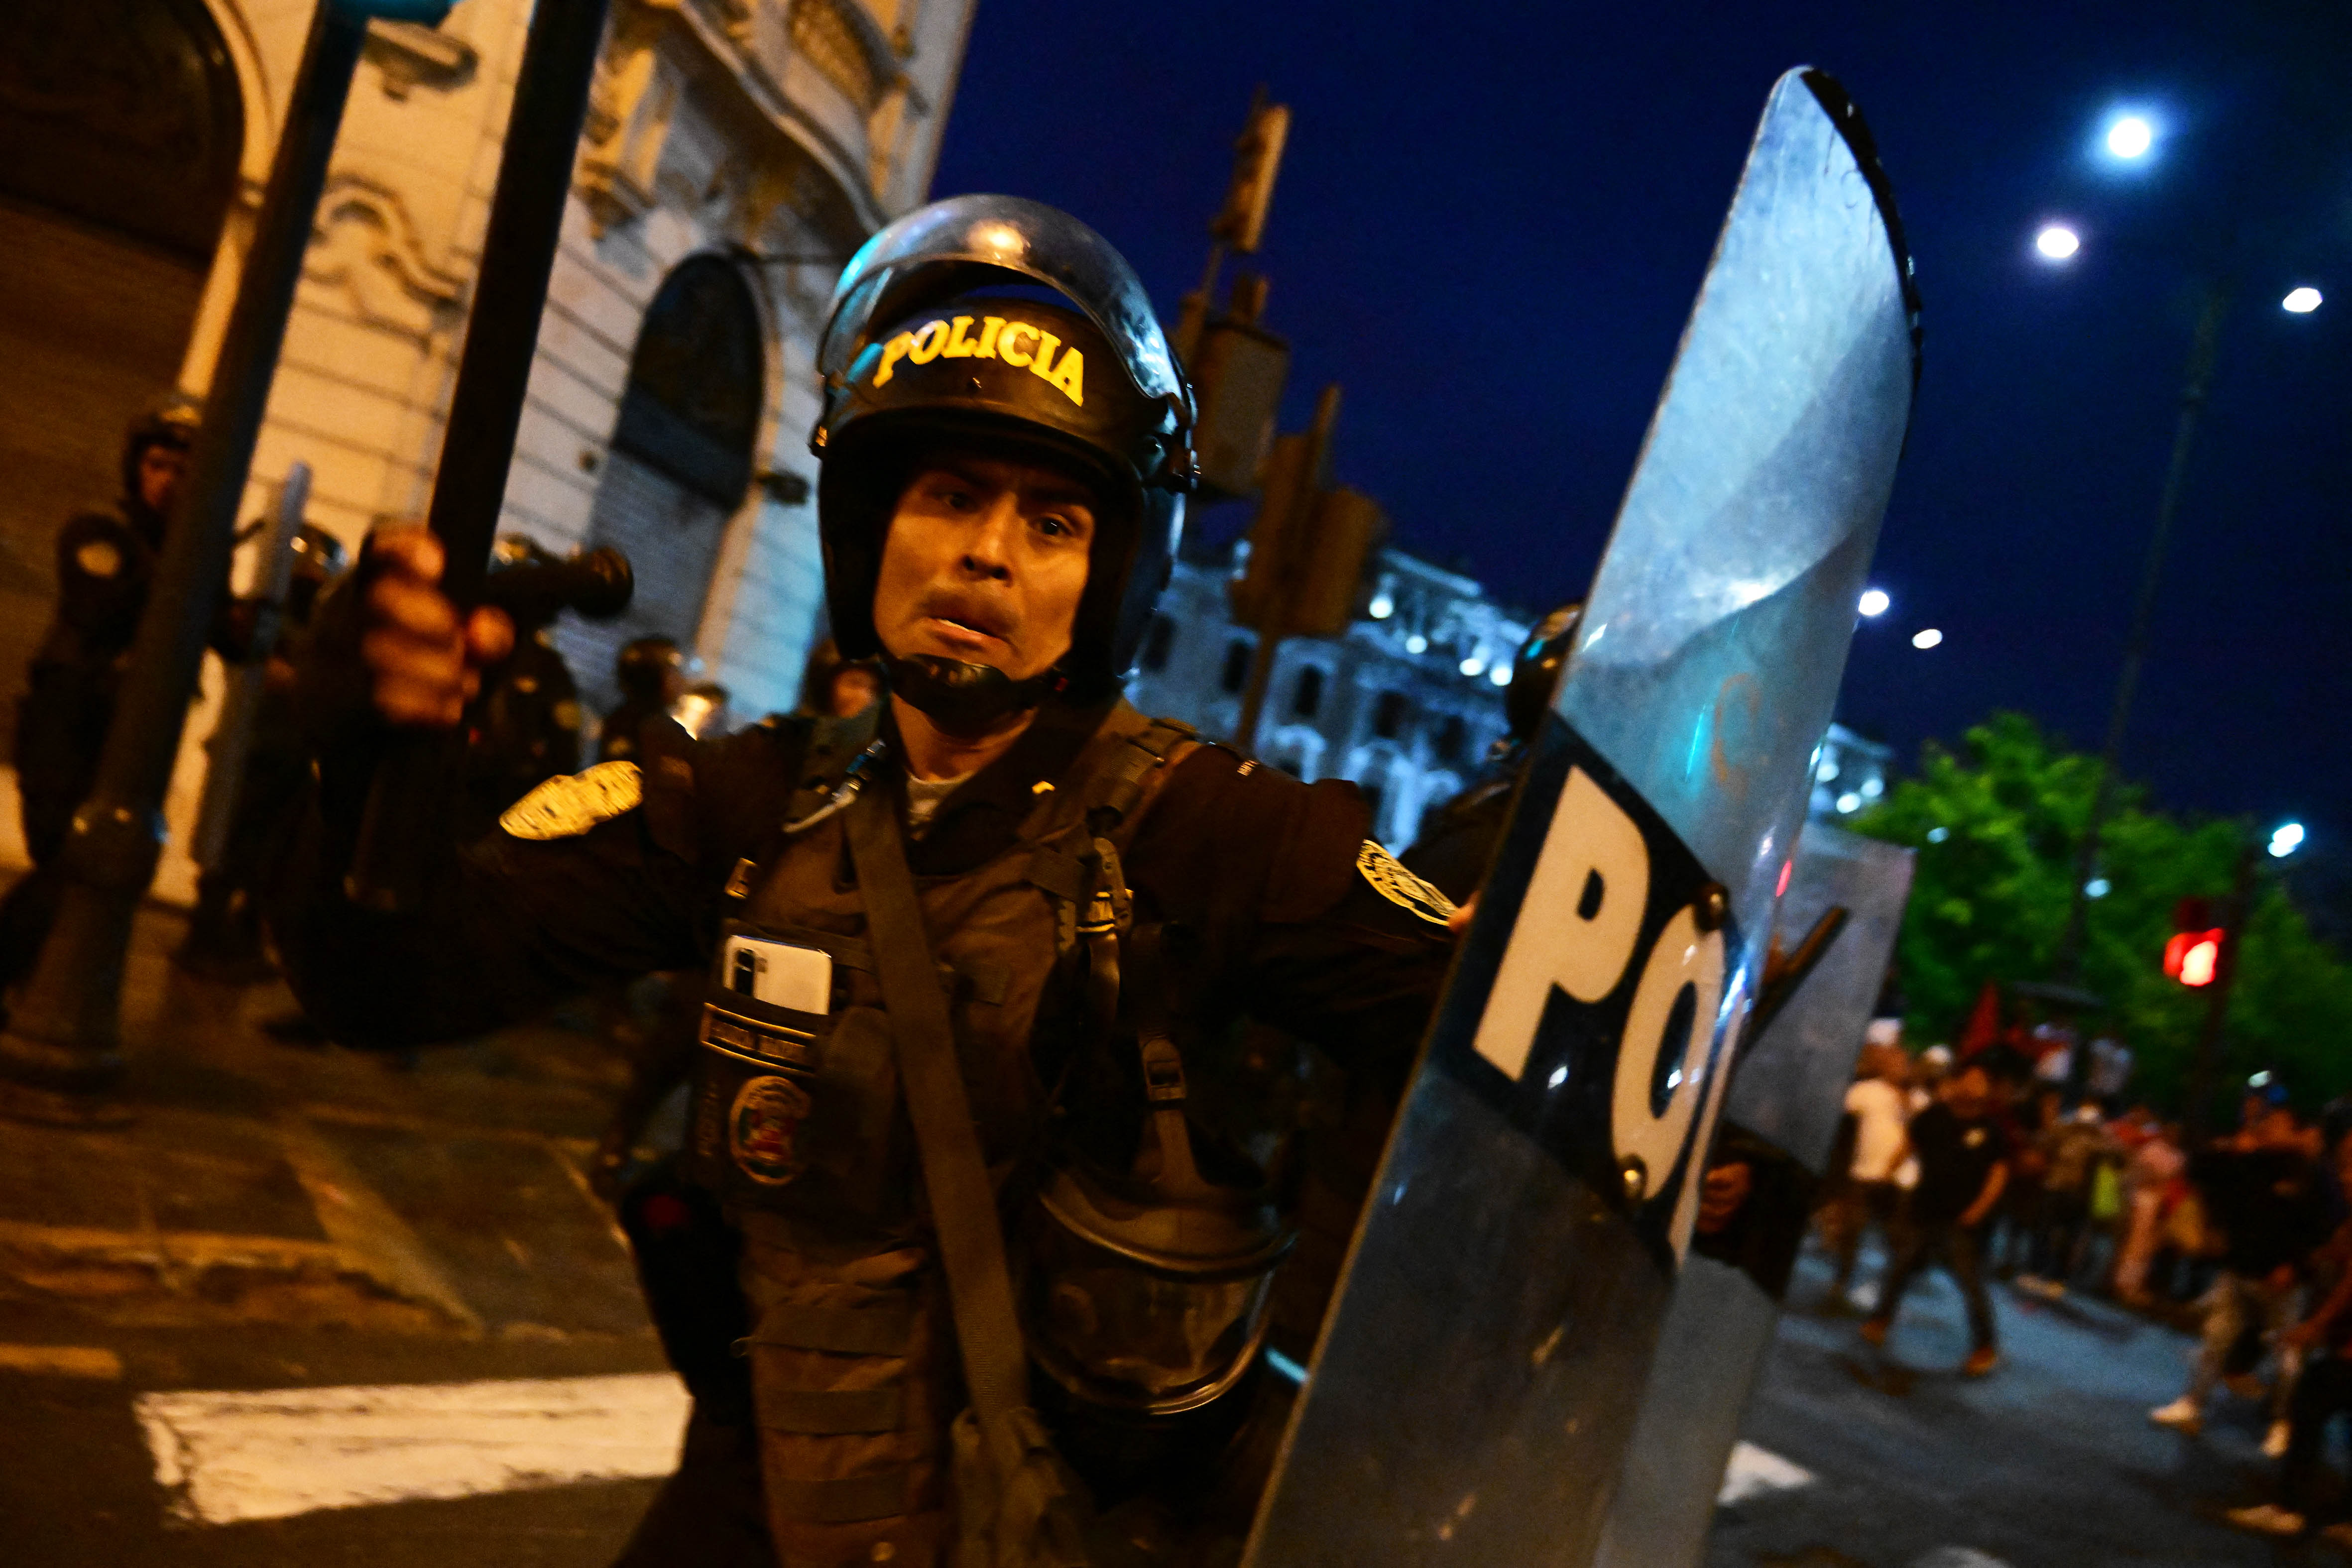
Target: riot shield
[(1781, 1116), (1478, 1377)]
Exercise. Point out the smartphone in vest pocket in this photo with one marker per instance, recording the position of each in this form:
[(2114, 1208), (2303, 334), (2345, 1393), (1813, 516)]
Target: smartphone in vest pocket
[(781, 974)]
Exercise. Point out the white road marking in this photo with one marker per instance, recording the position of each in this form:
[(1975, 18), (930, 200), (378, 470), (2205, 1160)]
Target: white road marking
[(1754, 1471), (61, 1361), (1959, 1557), (266, 1454)]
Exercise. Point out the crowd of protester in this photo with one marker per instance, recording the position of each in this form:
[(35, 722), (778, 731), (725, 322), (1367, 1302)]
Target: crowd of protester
[(2003, 1163)]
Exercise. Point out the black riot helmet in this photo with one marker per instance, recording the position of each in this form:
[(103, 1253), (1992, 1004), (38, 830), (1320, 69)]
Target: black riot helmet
[(1002, 323), (171, 420), (645, 668), (1534, 674), (319, 559)]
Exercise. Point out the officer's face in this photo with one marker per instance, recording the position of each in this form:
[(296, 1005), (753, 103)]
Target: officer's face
[(985, 562), (161, 469)]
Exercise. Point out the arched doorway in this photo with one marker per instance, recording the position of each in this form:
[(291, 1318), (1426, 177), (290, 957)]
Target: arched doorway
[(680, 461), (123, 127)]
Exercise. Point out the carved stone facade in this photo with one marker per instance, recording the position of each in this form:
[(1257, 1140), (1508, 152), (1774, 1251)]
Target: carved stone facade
[(775, 135), (1404, 704)]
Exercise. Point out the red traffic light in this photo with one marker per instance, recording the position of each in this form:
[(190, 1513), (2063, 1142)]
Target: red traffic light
[(2192, 956)]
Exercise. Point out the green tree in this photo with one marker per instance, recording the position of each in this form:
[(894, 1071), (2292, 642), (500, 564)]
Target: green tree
[(1996, 823)]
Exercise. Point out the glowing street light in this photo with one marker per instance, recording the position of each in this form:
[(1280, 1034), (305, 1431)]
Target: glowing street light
[(2286, 839), (2301, 301), (1873, 602), (1926, 639), (2056, 242), (2130, 137)]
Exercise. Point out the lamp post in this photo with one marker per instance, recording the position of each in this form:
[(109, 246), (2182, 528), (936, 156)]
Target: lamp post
[(2127, 141)]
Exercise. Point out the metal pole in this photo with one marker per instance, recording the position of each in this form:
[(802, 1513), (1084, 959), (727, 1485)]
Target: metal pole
[(63, 1044), (414, 780), (2206, 1066), (2067, 966)]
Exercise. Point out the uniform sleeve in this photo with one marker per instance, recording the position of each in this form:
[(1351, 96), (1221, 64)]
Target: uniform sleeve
[(593, 885), (1302, 923)]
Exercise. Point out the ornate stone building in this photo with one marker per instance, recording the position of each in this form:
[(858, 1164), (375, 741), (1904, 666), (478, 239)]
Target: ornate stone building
[(1406, 704), (736, 152)]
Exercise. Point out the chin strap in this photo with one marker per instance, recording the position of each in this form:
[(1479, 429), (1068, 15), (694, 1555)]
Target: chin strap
[(967, 699)]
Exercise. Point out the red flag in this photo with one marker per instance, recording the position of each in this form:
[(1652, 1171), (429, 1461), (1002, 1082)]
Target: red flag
[(1982, 1030)]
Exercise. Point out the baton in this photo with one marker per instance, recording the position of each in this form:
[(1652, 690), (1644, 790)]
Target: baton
[(408, 796)]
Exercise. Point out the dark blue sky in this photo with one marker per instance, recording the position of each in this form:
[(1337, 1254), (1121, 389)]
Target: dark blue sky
[(1492, 222)]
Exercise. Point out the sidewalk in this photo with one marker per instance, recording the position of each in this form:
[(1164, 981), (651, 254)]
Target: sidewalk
[(260, 1183)]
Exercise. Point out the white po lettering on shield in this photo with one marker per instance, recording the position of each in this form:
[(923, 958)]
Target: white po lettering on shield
[(1665, 1035), (1577, 925)]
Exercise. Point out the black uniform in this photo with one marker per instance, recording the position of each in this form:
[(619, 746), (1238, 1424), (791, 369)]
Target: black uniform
[(1276, 908), (106, 566)]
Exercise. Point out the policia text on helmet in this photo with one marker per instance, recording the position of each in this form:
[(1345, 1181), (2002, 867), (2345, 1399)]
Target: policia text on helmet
[(1003, 478), (1006, 871)]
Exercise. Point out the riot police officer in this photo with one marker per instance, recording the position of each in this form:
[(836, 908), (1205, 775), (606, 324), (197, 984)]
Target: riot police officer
[(970, 951), (225, 930), (106, 565), (526, 728), (651, 674)]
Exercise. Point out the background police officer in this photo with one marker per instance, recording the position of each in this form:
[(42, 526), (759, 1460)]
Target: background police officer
[(106, 565), (1102, 899)]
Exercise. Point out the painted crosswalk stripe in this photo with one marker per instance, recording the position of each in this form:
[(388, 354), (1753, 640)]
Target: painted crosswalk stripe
[(1754, 1472), (224, 1456)]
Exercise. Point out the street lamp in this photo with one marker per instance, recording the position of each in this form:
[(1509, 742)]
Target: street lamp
[(2129, 137), (2300, 301), (2286, 839), (2056, 242), (1873, 602)]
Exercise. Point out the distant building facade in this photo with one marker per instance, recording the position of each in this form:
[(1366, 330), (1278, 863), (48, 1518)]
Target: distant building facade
[(1849, 774), (1406, 704), (736, 152)]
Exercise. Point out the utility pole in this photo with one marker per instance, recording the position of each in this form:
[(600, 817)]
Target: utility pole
[(62, 1046), (2066, 968)]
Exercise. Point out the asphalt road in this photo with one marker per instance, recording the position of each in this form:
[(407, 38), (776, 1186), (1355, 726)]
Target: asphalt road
[(2048, 1463)]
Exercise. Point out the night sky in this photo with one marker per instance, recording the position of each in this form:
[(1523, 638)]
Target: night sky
[(1492, 222)]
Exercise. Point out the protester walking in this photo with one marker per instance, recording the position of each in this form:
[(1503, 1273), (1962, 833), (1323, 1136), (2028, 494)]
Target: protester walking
[(1963, 1166), (2264, 1190), (1880, 1104)]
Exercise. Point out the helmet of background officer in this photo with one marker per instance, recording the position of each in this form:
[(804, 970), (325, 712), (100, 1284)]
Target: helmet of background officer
[(1534, 674), (319, 559), (155, 457), (652, 674), (1001, 331)]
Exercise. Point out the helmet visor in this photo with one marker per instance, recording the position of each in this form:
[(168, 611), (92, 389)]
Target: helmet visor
[(951, 248)]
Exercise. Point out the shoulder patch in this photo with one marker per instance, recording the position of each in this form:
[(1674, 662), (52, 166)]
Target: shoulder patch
[(567, 807), (1400, 886)]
